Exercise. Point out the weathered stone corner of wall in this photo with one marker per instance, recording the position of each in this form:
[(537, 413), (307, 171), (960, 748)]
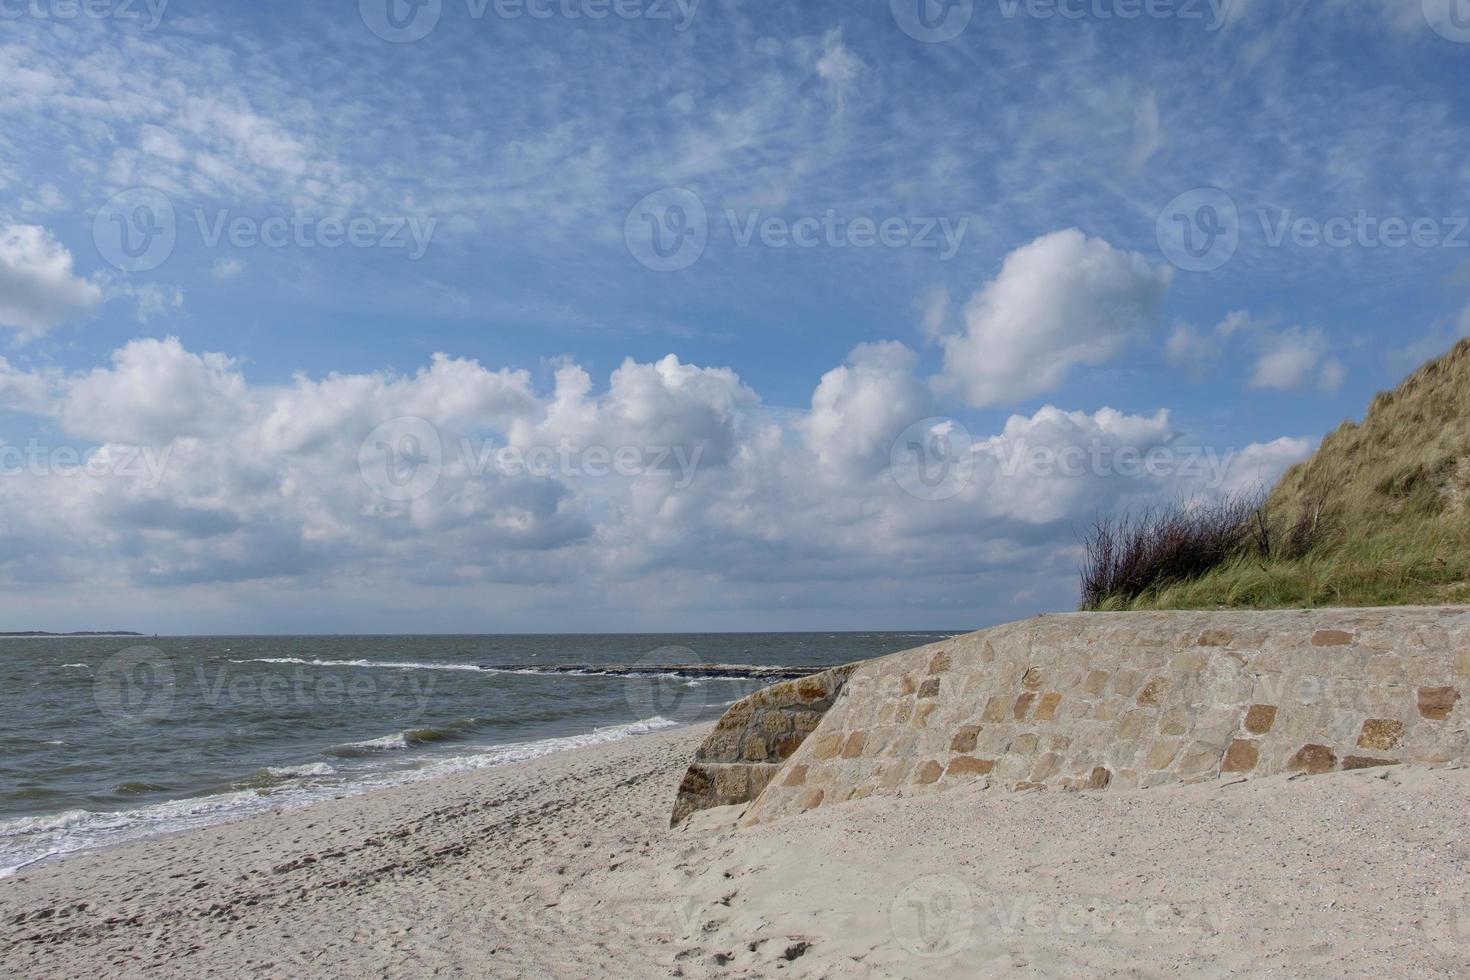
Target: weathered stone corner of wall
[(753, 737), (1126, 700)]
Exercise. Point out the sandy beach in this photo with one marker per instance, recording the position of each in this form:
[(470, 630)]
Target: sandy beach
[(565, 867)]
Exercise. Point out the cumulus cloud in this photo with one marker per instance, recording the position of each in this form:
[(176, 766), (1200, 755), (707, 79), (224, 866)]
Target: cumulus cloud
[(1294, 358), (38, 288), (1062, 301), (205, 479), (859, 408)]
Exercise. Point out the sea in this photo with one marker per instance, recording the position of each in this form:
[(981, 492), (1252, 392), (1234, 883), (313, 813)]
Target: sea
[(111, 739)]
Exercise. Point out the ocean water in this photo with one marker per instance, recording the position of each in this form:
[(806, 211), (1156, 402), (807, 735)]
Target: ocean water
[(105, 740)]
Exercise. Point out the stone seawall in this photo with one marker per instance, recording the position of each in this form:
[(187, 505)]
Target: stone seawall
[(1113, 700), (753, 738)]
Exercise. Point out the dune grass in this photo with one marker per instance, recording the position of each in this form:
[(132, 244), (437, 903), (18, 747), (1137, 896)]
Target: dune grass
[(1380, 515)]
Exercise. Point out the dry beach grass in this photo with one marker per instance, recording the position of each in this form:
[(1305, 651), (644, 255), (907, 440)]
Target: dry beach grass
[(565, 867)]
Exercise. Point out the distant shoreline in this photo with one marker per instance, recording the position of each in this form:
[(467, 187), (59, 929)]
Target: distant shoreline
[(24, 633)]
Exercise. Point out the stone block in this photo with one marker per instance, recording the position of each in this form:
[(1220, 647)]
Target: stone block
[(1099, 778), (1331, 638), (904, 712), (1435, 703), (1024, 744), (922, 713), (1215, 638), (1174, 721), (795, 776), (1046, 767), (1260, 718), (1096, 682), (1023, 705), (964, 765), (1241, 756), (813, 799), (754, 748), (826, 747), (930, 688), (995, 709), (1152, 691), (732, 783), (1381, 733), (1046, 708), (1161, 754), (929, 772), (1034, 679), (853, 747), (1364, 762), (940, 663), (1313, 759), (965, 739)]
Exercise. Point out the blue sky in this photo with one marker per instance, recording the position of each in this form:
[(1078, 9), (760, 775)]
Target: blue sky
[(1034, 168)]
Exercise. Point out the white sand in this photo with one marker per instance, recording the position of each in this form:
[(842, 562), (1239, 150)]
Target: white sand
[(565, 867)]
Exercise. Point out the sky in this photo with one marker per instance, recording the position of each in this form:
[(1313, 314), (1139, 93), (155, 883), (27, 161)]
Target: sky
[(687, 315)]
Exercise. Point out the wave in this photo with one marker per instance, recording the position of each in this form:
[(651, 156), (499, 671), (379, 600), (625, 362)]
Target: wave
[(60, 666), (30, 840)]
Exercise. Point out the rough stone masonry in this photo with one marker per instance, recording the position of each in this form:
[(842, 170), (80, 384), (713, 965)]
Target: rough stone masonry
[(1093, 701)]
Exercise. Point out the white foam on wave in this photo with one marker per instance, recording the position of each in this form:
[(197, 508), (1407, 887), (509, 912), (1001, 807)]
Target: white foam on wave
[(30, 840), (60, 666), (300, 772), (388, 743)]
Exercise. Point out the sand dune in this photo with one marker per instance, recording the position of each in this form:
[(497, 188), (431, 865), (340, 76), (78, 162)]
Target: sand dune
[(565, 867)]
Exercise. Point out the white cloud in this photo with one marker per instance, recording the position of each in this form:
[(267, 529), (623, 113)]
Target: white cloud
[(859, 408), (38, 288), (1294, 358), (262, 484), (1063, 300), (226, 269), (154, 393)]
